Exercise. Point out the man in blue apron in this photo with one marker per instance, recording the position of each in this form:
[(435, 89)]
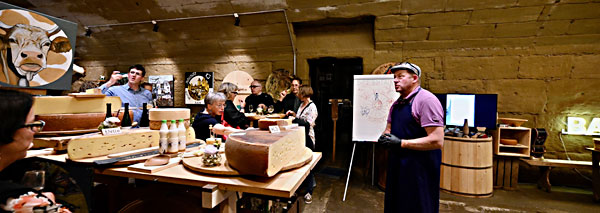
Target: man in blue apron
[(414, 137)]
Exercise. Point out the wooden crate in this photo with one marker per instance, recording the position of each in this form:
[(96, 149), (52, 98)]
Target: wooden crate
[(521, 134), (506, 172)]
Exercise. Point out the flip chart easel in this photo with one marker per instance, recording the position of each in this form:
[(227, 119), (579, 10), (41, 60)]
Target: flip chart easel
[(373, 96)]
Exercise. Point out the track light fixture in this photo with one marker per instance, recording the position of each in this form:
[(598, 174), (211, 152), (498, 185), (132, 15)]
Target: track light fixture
[(155, 28), (88, 32), (237, 19)]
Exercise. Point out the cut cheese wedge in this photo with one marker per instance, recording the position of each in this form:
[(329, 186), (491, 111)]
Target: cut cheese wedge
[(70, 105), (257, 152), (95, 145)]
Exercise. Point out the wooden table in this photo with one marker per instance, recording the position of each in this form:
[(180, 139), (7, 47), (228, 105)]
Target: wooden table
[(217, 188), (595, 172)]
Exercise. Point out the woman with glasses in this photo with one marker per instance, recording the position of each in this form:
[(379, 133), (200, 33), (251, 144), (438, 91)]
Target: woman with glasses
[(215, 105), (16, 135), (232, 116)]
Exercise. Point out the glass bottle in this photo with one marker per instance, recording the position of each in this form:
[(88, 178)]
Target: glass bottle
[(182, 135), (108, 111), (164, 138), (145, 121), (126, 122), (173, 138)]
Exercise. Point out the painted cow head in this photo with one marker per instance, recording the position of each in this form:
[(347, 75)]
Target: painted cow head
[(28, 46)]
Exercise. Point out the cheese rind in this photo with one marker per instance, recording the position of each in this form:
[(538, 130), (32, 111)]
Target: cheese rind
[(80, 121), (159, 114), (98, 145), (261, 153), (264, 124), (71, 105)]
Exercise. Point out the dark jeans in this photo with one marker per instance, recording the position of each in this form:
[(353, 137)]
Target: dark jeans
[(310, 182)]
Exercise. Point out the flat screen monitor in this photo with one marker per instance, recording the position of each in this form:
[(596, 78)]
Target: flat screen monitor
[(479, 109), (460, 107)]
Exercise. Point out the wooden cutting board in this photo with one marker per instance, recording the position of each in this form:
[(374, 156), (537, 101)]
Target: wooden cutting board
[(140, 167), (195, 164)]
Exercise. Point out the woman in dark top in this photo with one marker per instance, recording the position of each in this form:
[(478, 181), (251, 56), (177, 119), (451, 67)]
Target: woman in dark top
[(215, 104), (16, 135), (232, 115)]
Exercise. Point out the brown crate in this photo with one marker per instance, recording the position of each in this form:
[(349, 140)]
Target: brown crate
[(506, 172)]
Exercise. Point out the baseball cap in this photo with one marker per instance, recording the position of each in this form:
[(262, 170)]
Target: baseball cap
[(406, 66)]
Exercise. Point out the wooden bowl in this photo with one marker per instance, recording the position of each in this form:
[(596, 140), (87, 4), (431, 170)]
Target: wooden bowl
[(516, 122)]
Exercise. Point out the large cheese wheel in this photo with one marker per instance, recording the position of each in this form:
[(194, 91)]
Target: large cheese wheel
[(81, 121), (71, 105), (257, 152), (95, 145), (156, 115), (264, 123)]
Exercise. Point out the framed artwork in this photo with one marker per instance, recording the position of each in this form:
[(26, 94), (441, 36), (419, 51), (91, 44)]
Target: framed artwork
[(197, 86), (163, 90), (37, 49)]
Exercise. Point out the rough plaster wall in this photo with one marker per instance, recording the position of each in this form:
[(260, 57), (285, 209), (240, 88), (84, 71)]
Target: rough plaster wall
[(540, 56)]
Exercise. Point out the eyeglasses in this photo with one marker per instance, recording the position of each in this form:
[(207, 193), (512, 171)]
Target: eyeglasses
[(234, 93), (36, 126), (254, 86)]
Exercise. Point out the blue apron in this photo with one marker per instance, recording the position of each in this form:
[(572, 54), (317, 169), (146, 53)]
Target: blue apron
[(413, 177)]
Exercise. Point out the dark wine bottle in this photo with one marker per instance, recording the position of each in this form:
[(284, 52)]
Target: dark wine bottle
[(126, 119), (108, 111), (145, 121)]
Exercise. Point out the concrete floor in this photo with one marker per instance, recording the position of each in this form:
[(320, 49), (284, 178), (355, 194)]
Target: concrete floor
[(363, 197)]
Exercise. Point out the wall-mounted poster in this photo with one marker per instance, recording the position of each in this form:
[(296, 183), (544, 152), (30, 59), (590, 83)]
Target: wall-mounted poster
[(163, 90), (197, 86), (37, 49)]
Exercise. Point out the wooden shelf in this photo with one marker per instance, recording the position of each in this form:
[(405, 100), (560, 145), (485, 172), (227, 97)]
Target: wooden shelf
[(519, 146), (521, 134)]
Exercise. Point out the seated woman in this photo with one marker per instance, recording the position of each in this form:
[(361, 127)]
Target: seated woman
[(232, 116), (215, 104), (16, 135)]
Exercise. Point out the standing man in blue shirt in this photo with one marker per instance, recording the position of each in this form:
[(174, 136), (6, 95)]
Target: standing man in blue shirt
[(131, 92)]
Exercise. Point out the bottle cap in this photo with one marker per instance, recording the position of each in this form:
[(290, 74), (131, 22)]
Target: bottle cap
[(172, 121), (164, 121)]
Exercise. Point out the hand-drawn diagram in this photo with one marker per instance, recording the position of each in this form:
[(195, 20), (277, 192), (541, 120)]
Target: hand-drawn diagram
[(373, 97)]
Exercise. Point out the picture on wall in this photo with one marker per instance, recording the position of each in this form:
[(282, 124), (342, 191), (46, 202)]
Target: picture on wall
[(37, 50), (197, 86), (163, 90)]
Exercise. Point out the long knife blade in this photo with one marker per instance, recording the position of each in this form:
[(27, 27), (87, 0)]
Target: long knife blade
[(114, 160)]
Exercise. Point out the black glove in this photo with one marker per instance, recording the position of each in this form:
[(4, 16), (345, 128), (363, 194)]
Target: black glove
[(389, 139)]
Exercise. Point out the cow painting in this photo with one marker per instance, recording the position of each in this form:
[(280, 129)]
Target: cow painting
[(34, 50)]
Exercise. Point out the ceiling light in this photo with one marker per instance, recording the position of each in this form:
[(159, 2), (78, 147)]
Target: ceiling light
[(237, 19), (155, 28)]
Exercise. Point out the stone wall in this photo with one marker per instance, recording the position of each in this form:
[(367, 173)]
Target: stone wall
[(540, 56)]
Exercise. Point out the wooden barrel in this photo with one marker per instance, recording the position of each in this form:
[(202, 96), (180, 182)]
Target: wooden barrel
[(467, 166)]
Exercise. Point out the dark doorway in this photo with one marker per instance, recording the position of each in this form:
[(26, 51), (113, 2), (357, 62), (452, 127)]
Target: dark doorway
[(332, 78)]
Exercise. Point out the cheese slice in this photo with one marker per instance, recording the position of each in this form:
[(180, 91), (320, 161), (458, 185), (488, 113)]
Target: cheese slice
[(95, 145), (261, 153), (190, 134), (70, 105), (264, 123)]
